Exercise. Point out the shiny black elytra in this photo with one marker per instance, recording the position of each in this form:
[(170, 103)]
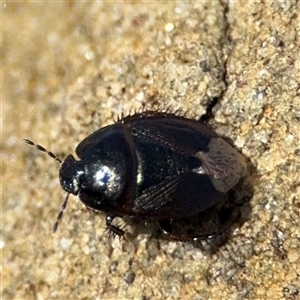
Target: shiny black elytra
[(150, 166)]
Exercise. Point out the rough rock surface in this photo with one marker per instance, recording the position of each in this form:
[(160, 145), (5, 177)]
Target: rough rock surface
[(69, 68)]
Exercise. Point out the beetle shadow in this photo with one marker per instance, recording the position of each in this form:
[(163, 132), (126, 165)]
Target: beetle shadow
[(210, 229)]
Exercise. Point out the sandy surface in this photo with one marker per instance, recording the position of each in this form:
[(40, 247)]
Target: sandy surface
[(69, 68)]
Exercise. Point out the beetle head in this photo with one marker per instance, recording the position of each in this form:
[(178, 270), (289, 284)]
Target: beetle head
[(70, 175)]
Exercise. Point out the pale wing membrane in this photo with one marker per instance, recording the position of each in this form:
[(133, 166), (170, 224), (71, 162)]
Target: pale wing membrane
[(222, 163)]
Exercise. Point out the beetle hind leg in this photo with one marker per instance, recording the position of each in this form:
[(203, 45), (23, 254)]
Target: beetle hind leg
[(215, 225)]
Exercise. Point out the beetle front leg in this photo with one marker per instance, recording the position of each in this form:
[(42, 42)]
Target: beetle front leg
[(113, 230)]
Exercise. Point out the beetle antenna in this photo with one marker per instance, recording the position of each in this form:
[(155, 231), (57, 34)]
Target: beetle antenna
[(41, 148), (60, 214)]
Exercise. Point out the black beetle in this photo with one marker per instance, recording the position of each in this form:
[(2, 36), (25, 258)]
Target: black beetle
[(150, 166)]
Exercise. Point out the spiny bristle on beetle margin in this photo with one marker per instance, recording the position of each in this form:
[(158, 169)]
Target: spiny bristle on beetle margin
[(61, 213), (41, 148)]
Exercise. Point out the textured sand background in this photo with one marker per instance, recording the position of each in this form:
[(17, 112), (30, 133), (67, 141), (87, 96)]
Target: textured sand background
[(69, 68)]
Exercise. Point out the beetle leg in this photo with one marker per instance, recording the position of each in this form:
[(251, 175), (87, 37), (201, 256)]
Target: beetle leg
[(219, 234), (113, 230)]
